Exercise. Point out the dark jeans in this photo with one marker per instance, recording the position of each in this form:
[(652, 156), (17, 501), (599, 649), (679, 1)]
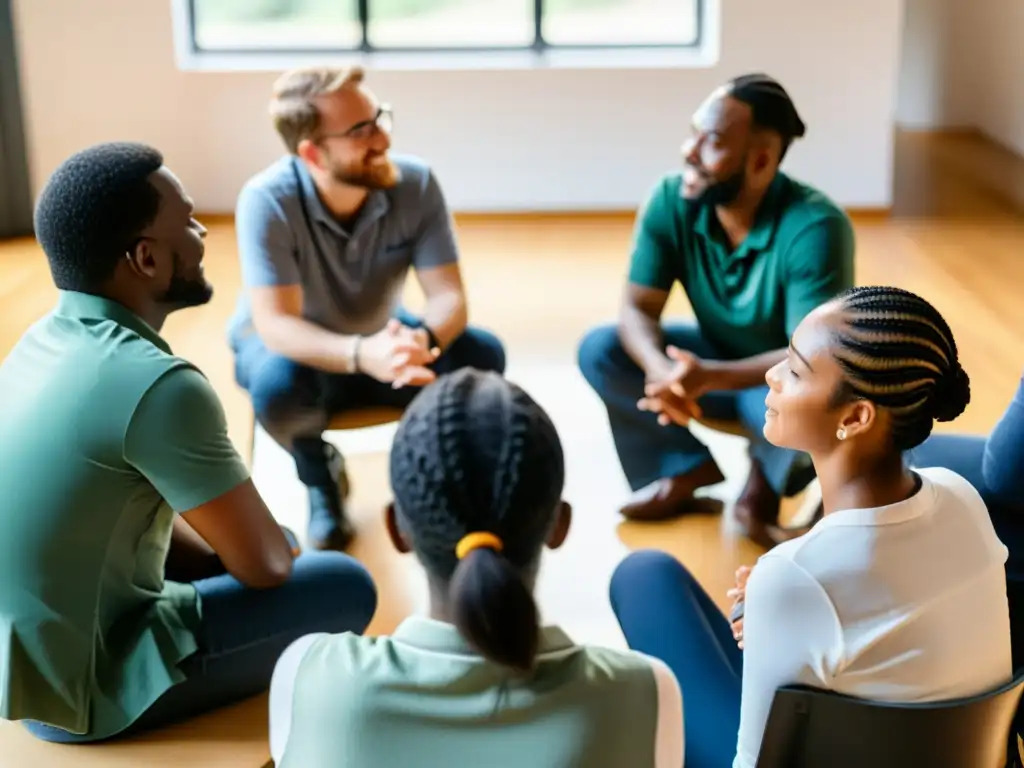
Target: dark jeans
[(648, 451), (666, 614), (295, 403), (963, 454), (994, 465), (244, 632)]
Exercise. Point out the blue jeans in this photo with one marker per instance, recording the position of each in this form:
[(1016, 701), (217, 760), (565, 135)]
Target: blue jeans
[(244, 632), (964, 454), (992, 465), (295, 403), (665, 613), (648, 451)]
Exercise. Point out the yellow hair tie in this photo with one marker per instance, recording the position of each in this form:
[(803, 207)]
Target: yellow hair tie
[(476, 540)]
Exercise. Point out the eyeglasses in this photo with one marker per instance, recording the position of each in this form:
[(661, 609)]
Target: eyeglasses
[(383, 121)]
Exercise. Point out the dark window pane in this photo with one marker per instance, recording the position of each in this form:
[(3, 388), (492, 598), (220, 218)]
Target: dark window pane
[(226, 25), (620, 22), (451, 23)]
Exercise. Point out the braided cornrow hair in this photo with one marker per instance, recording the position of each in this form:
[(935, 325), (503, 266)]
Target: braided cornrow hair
[(771, 106), (897, 351), (475, 453)]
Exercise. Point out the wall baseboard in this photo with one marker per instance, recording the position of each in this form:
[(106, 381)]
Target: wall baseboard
[(958, 133), (944, 131), (869, 213), (860, 213)]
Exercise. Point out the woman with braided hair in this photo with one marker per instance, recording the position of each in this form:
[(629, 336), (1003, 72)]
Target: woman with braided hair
[(477, 472), (898, 593)]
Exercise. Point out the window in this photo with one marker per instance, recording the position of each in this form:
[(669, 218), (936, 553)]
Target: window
[(311, 26)]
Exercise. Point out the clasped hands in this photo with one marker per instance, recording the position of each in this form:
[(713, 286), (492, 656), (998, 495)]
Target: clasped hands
[(398, 355), (672, 392)]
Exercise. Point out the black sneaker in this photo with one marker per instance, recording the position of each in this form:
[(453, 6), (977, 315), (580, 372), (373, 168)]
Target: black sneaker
[(336, 467), (329, 526)]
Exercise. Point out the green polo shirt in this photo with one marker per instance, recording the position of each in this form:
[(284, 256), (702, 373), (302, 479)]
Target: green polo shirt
[(104, 436), (424, 698), (747, 300)]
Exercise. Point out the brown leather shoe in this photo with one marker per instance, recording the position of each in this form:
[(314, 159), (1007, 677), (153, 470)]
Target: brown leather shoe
[(672, 496), (757, 508), (780, 534)]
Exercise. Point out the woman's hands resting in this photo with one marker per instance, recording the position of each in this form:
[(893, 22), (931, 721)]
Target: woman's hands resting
[(738, 595)]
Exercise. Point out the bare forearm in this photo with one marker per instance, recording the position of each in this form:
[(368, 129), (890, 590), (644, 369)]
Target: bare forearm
[(309, 344), (190, 558), (643, 341), (745, 373), (446, 315)]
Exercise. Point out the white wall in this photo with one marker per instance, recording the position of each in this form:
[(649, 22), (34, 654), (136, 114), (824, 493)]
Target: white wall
[(500, 140), (962, 66), (988, 67), (924, 92)]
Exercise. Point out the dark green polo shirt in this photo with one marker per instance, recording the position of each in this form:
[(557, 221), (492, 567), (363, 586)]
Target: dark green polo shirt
[(104, 436), (747, 300)]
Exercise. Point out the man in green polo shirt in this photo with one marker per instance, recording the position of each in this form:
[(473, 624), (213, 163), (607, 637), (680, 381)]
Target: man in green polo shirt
[(142, 578), (754, 250)]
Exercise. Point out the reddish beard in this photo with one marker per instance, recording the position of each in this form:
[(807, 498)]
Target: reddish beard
[(375, 172)]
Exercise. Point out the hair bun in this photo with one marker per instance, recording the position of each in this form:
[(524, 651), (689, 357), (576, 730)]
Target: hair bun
[(951, 395)]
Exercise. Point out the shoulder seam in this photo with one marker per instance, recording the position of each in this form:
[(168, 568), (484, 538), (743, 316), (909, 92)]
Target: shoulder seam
[(807, 577), (173, 364)]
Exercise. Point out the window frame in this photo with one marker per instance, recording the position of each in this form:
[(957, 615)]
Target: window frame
[(539, 46)]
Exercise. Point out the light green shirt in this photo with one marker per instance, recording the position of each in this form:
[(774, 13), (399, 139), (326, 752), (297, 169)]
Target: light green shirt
[(104, 436), (747, 300), (424, 698)]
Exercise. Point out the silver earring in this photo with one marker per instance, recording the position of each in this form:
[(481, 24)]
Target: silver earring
[(841, 433)]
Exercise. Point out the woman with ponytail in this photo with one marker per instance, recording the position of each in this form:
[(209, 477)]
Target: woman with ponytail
[(898, 593), (477, 472)]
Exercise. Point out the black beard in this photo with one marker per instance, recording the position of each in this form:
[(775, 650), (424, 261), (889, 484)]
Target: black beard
[(723, 192), (186, 292)]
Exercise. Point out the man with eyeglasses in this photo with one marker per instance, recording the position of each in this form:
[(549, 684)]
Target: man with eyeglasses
[(327, 236)]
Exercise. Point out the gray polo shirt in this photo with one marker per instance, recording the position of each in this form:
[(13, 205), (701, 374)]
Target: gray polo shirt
[(353, 275)]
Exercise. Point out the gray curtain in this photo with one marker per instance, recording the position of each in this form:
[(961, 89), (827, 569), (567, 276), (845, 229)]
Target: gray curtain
[(15, 193)]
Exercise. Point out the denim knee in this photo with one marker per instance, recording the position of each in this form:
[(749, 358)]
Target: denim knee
[(488, 353), (338, 591), (642, 567), (279, 387), (597, 352), (475, 348)]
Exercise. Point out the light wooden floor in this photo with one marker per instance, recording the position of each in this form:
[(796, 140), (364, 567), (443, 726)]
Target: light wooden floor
[(956, 236)]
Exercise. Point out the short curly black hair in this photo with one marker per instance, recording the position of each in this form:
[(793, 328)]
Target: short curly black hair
[(92, 209)]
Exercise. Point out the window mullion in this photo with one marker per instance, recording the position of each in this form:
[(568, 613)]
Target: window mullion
[(538, 24), (363, 9)]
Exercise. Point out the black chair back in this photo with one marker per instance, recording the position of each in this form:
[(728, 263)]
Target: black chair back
[(809, 728)]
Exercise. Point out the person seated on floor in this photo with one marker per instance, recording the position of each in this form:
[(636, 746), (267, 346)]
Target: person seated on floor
[(995, 466), (142, 578), (897, 594), (755, 251), (326, 236), (477, 471)]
